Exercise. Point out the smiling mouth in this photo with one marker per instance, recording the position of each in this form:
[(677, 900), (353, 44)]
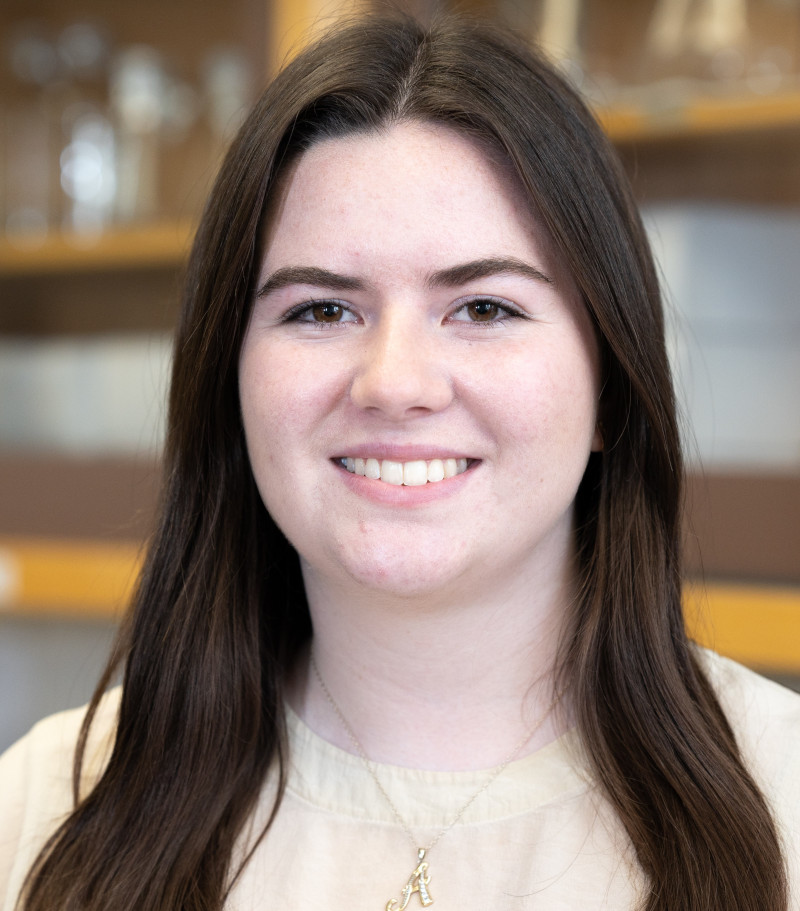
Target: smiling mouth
[(409, 474)]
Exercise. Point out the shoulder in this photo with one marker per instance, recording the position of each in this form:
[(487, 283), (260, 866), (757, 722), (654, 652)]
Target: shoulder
[(765, 718), (43, 757), (36, 785), (764, 715)]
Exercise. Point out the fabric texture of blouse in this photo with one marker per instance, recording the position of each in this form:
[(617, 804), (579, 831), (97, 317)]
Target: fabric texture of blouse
[(541, 837)]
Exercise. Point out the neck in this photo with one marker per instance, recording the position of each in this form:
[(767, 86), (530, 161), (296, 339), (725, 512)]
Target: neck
[(432, 684)]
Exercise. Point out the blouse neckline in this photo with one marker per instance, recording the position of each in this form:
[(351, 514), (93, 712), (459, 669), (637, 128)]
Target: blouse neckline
[(331, 779)]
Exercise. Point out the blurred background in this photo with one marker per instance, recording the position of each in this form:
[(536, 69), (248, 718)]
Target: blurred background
[(112, 123)]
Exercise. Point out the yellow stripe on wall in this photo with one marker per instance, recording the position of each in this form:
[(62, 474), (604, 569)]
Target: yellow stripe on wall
[(84, 578), (757, 625)]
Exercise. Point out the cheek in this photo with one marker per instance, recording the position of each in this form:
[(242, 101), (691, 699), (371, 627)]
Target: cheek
[(288, 404), (548, 420), (278, 395), (549, 401), (270, 414), (273, 410)]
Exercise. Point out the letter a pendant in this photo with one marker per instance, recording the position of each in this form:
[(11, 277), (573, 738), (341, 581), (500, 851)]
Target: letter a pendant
[(417, 882)]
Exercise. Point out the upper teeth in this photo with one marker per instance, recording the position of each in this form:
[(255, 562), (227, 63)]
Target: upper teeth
[(412, 474)]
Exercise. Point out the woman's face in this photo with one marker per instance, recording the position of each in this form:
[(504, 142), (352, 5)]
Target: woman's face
[(414, 321)]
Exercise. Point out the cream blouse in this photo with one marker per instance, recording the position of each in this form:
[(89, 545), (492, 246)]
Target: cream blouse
[(540, 837)]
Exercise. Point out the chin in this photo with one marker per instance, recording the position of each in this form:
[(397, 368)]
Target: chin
[(410, 588), (422, 577)]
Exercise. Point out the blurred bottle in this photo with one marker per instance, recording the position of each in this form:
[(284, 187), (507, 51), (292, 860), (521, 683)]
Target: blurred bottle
[(685, 38), (91, 136), (200, 124), (719, 46), (558, 33), (87, 163), (227, 81), (30, 136), (137, 91), (88, 170)]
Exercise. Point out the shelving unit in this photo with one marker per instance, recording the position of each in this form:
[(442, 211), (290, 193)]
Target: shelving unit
[(51, 572), (147, 246), (166, 242), (703, 117)]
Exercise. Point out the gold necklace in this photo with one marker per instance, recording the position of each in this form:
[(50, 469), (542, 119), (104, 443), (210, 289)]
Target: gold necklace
[(417, 883)]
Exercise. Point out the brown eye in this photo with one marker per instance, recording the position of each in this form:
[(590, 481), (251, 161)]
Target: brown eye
[(327, 312), (482, 310)]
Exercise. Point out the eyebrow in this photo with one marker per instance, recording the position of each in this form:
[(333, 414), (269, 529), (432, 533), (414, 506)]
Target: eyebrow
[(483, 268), (452, 277), (309, 275)]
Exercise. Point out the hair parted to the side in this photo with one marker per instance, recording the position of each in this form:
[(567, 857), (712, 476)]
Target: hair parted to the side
[(220, 610)]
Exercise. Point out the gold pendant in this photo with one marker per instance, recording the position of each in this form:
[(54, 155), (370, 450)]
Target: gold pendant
[(417, 882)]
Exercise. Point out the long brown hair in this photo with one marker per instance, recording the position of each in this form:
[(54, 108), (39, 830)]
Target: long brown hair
[(220, 611)]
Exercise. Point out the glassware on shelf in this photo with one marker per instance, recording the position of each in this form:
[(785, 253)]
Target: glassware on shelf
[(137, 89), (720, 24), (48, 147), (227, 81), (27, 190), (93, 136), (84, 48), (88, 171), (558, 33), (29, 137), (718, 47), (769, 70)]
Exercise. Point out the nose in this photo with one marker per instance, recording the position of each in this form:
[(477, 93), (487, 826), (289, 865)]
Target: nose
[(402, 372)]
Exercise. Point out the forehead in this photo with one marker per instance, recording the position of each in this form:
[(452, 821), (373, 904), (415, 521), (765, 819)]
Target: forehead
[(410, 189)]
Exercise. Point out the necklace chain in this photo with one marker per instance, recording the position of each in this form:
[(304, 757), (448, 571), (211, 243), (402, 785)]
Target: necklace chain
[(369, 765)]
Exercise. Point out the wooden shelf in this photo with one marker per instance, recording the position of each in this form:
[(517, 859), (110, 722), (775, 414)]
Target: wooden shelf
[(142, 246), (701, 117), (166, 243), (757, 625)]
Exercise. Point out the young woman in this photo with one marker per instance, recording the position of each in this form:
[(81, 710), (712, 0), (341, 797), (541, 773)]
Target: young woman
[(409, 631)]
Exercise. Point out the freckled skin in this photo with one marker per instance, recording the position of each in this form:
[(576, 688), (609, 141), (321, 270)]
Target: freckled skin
[(518, 396)]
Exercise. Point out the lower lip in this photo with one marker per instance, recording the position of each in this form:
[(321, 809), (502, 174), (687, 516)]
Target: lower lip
[(400, 494)]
